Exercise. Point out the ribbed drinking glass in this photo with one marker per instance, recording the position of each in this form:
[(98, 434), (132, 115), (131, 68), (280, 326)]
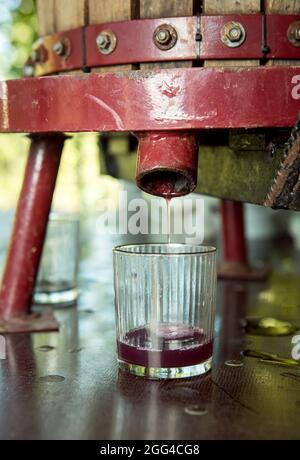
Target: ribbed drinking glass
[(57, 277), (165, 305)]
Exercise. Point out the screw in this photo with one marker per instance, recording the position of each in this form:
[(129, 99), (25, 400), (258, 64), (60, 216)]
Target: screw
[(233, 34), (293, 33), (233, 31), (297, 34), (39, 54), (163, 36), (102, 41), (106, 42), (59, 48), (36, 55)]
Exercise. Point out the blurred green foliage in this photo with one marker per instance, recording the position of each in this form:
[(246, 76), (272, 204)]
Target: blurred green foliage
[(79, 185), (18, 31), (23, 34)]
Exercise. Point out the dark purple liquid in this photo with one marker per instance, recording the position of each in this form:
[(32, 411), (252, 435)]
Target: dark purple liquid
[(166, 184), (170, 345)]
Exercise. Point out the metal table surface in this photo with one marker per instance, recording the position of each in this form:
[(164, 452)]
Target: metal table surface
[(66, 384)]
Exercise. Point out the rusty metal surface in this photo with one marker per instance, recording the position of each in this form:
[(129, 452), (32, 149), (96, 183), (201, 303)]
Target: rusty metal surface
[(167, 163), (135, 42), (50, 62), (234, 264), (285, 189), (30, 322), (239, 272), (194, 38), (152, 101), (233, 232), (277, 27), (212, 46), (30, 226), (66, 385)]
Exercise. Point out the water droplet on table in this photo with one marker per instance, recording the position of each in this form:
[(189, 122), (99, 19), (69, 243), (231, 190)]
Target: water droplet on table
[(52, 378), (234, 363), (195, 410), (87, 311), (74, 350), (46, 348)]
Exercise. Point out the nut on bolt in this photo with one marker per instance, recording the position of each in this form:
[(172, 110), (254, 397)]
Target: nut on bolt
[(294, 33), (106, 42), (165, 36), (39, 54), (58, 48), (62, 47), (233, 34)]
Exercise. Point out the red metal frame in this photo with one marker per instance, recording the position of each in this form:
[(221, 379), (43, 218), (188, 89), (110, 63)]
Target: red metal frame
[(173, 99), (135, 42), (30, 225), (54, 63), (154, 101), (277, 37), (233, 232), (167, 163), (234, 264), (213, 48)]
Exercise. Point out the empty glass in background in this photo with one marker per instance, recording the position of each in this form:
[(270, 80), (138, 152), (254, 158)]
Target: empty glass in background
[(57, 277), (165, 297)]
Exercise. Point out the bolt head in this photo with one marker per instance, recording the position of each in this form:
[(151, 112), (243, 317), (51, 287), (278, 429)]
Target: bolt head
[(58, 48), (106, 41), (297, 34), (163, 36), (103, 41), (36, 55), (234, 34), (293, 34)]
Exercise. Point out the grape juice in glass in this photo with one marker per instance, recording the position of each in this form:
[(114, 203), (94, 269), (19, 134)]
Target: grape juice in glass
[(165, 305)]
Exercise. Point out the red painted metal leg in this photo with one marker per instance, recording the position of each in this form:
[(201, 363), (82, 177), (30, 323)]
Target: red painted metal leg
[(233, 232), (30, 225), (235, 263)]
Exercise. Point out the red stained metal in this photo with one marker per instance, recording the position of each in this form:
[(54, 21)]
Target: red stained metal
[(234, 244), (73, 59), (172, 99), (277, 37), (135, 42), (30, 225), (213, 48), (167, 163)]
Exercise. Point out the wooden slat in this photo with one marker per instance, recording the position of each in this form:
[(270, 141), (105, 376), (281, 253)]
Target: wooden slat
[(59, 15), (109, 11), (283, 7), (231, 6), (46, 16), (228, 7), (70, 14), (165, 8), (101, 11)]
